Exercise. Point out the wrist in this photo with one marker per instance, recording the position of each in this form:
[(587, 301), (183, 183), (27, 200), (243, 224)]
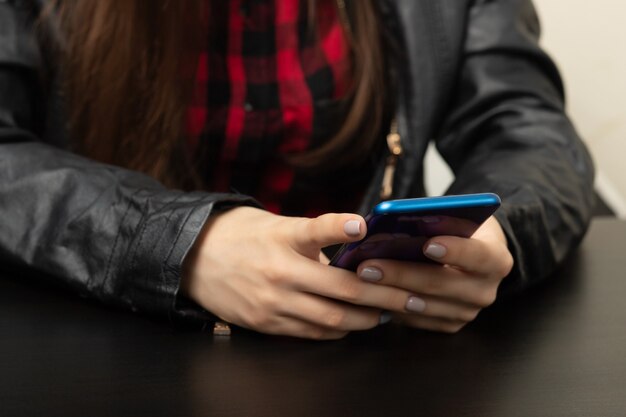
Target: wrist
[(220, 221)]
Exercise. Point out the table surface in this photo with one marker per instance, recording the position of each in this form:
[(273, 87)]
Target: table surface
[(558, 351)]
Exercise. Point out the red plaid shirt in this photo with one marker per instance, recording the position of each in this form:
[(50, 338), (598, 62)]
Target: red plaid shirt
[(267, 85)]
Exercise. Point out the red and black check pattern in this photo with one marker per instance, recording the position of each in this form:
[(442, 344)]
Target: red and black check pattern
[(268, 85)]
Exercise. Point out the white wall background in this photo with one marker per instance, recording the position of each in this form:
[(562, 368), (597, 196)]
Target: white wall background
[(588, 41)]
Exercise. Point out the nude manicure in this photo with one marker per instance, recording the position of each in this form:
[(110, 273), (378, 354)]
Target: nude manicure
[(352, 228), (370, 273), (435, 250), (415, 304)]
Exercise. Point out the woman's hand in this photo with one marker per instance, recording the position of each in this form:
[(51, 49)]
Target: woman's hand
[(265, 272), (447, 297)]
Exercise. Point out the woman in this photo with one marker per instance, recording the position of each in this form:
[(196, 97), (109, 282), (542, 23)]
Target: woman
[(284, 119)]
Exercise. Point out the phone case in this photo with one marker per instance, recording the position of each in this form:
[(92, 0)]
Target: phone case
[(398, 229)]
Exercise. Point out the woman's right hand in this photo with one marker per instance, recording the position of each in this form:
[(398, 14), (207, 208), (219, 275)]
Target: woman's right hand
[(263, 272)]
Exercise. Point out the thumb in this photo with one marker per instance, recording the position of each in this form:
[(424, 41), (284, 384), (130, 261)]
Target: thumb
[(328, 229)]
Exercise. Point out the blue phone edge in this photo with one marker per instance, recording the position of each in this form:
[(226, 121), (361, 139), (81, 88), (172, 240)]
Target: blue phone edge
[(412, 205)]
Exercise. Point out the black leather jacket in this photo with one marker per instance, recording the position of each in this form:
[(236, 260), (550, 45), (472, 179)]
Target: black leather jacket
[(470, 75)]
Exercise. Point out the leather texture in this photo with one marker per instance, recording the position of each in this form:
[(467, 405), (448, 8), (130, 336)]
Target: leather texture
[(470, 76)]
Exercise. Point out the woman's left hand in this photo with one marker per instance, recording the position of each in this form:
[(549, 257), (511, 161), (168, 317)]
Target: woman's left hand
[(448, 296)]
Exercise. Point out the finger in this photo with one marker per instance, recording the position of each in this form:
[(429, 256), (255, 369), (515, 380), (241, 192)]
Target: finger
[(343, 285), (329, 314), (457, 302), (487, 258), (287, 326), (325, 230), (430, 323), (430, 280), (441, 308)]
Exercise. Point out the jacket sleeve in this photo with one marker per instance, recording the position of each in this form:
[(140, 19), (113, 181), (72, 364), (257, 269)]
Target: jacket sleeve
[(507, 132), (109, 233)]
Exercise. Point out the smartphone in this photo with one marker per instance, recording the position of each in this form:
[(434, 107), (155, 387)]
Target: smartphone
[(398, 229)]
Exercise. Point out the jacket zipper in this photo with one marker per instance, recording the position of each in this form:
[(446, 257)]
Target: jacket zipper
[(394, 143)]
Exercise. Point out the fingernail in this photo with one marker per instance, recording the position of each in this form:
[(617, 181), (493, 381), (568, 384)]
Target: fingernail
[(372, 274), (435, 250), (415, 304), (385, 317), (352, 228)]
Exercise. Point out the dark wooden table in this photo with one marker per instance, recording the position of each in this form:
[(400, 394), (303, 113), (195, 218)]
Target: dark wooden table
[(559, 351)]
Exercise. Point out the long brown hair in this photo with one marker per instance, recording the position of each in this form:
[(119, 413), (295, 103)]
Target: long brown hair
[(128, 72)]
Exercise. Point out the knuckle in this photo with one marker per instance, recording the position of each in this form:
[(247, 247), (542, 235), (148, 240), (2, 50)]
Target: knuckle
[(351, 290), (267, 304), (275, 271), (434, 285), (334, 319), (316, 334), (258, 320), (486, 297), (274, 277), (506, 266)]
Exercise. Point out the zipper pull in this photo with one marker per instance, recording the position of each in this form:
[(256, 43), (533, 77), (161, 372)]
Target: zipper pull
[(394, 143)]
